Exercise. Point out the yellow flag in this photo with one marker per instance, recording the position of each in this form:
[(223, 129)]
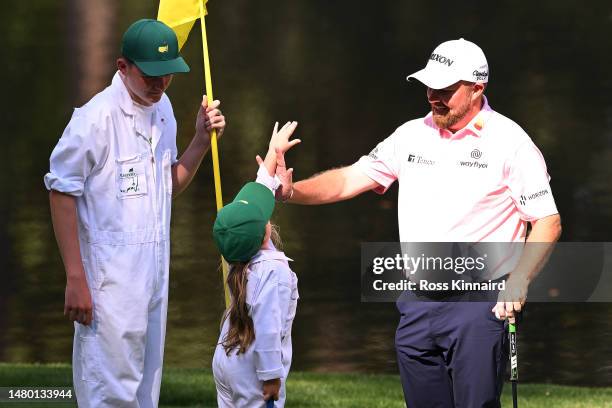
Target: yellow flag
[(180, 16)]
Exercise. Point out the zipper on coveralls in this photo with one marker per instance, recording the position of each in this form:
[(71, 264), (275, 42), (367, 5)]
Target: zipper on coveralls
[(156, 212)]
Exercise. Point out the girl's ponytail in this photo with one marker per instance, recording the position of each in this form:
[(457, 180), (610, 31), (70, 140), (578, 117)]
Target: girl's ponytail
[(241, 332)]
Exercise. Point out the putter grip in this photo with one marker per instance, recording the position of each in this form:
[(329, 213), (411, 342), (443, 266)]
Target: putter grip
[(270, 403), (513, 353)]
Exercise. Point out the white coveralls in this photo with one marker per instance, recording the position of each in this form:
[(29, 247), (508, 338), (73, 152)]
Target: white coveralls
[(119, 170), (272, 300)]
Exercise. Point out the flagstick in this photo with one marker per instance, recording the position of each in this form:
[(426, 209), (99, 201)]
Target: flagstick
[(213, 139)]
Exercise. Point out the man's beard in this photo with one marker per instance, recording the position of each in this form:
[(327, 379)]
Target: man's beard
[(451, 117)]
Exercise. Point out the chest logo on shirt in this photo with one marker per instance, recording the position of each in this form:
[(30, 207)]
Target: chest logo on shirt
[(130, 183), (418, 159), (131, 180), (476, 163)]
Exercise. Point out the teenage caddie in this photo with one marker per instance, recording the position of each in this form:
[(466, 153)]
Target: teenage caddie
[(466, 174), (112, 177)]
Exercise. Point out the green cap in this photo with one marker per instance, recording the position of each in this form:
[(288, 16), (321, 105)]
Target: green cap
[(241, 225), (153, 47)]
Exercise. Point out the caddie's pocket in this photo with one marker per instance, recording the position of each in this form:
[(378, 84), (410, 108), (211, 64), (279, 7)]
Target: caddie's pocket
[(167, 170), (131, 178), (89, 358)]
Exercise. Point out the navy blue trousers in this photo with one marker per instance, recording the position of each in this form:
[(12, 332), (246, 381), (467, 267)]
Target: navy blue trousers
[(451, 354)]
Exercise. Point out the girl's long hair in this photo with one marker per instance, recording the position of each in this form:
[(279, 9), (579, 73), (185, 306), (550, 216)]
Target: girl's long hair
[(241, 333)]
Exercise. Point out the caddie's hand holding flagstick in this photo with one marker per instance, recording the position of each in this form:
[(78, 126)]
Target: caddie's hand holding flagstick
[(209, 119)]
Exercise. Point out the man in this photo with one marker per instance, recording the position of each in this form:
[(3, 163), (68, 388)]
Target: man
[(112, 176), (474, 170)]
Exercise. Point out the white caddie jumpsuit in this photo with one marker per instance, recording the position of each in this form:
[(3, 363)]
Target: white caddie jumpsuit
[(119, 170), (272, 297)]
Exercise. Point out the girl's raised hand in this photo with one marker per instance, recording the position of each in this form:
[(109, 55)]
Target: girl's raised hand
[(279, 144), (280, 138)]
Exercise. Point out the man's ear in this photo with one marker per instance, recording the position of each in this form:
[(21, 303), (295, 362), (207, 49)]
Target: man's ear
[(479, 88), (122, 65)]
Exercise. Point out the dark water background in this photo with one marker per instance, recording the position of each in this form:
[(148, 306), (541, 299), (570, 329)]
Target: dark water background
[(338, 68)]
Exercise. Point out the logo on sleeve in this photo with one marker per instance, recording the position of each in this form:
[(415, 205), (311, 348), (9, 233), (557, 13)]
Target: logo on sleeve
[(374, 154), (523, 200)]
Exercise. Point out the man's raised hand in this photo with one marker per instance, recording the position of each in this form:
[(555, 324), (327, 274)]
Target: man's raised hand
[(285, 191)]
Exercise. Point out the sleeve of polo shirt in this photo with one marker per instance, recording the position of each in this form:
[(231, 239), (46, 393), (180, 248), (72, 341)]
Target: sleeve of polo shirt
[(528, 182), (382, 164), (80, 151), (266, 315)]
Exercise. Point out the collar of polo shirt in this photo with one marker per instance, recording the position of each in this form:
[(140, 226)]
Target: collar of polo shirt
[(473, 128)]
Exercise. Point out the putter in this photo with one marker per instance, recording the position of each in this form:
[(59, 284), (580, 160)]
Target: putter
[(513, 361)]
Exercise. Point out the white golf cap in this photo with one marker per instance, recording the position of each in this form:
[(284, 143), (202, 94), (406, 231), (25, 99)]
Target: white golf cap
[(451, 62)]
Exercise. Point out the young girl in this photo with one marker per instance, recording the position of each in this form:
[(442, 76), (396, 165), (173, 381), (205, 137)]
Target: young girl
[(253, 355)]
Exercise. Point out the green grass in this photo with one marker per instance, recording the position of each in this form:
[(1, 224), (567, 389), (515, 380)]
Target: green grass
[(195, 388)]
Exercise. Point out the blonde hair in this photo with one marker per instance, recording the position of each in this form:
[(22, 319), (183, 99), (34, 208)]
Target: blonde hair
[(275, 237)]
